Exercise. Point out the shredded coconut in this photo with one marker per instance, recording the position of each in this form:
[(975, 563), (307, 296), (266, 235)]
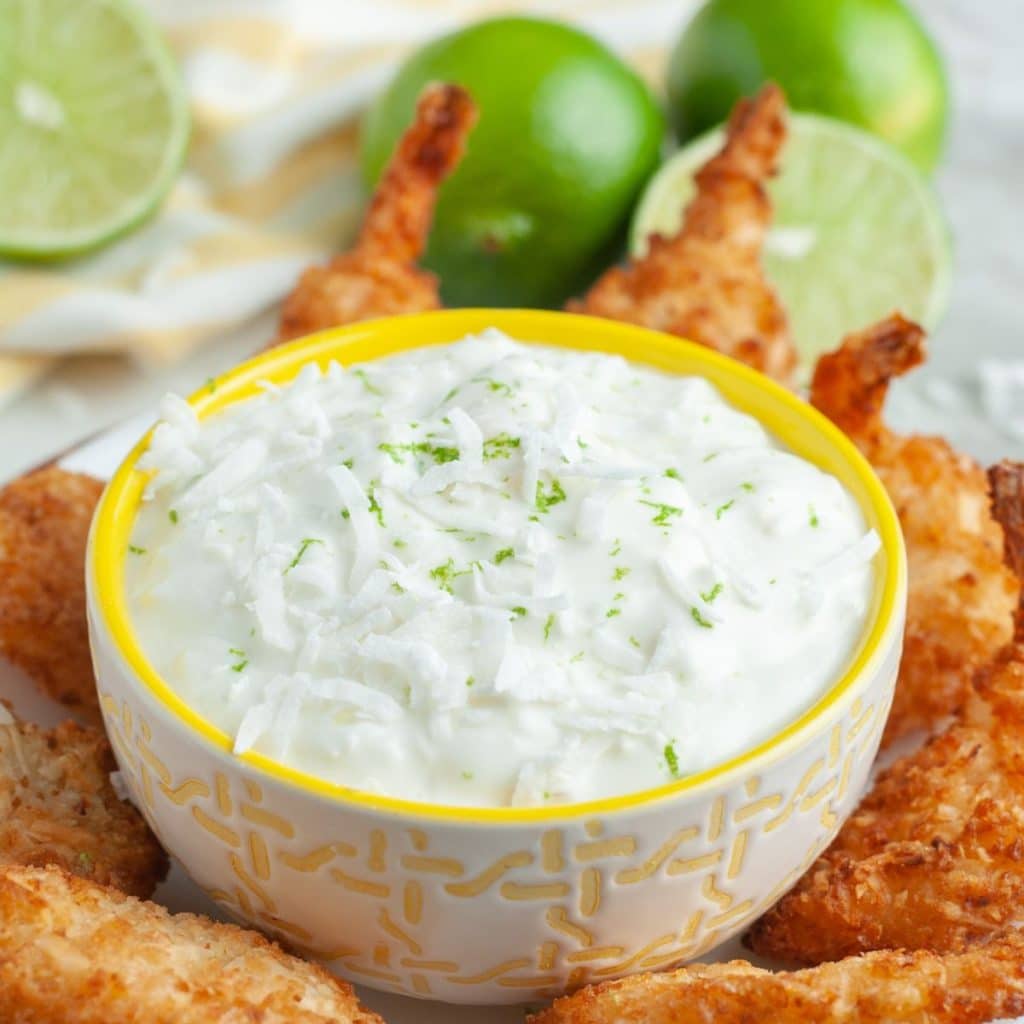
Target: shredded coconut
[(493, 573)]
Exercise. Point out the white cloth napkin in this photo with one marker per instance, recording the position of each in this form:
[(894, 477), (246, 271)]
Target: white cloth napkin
[(271, 183)]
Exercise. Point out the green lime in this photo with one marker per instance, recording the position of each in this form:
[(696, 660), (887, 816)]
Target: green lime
[(94, 122), (869, 62), (567, 137), (857, 229)]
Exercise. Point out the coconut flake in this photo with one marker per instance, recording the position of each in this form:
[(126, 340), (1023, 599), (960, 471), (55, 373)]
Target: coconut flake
[(563, 433), (357, 503), (592, 516), (414, 657), (367, 702), (470, 442), (484, 575), (525, 678), (551, 778), (532, 447), (266, 584), (614, 651), (234, 470), (546, 574), (493, 640), (667, 654), (687, 593), (255, 724)]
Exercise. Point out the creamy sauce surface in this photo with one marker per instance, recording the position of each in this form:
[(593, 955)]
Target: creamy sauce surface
[(492, 574)]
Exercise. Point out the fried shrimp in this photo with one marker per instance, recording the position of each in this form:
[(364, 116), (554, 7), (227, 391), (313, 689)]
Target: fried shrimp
[(378, 276), (891, 987), (73, 952), (57, 806), (44, 523), (934, 856), (706, 282), (961, 594)]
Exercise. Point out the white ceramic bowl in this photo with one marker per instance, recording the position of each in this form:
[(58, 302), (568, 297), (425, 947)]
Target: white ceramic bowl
[(498, 905)]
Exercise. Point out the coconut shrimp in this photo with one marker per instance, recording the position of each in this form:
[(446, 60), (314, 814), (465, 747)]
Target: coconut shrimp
[(962, 595), (44, 523), (706, 282), (933, 856), (378, 276)]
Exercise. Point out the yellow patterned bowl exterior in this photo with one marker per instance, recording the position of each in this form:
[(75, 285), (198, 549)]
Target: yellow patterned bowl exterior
[(498, 905)]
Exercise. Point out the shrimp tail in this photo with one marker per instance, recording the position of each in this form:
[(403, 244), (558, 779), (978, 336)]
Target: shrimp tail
[(850, 384), (398, 221)]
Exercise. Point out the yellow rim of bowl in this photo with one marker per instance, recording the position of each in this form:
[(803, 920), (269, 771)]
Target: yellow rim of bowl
[(791, 420)]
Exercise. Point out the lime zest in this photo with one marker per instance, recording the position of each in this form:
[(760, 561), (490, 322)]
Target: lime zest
[(699, 619), (672, 759), (553, 496), (304, 546), (664, 512)]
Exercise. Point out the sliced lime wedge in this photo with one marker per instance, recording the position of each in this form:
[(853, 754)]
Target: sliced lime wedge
[(857, 230), (94, 123)]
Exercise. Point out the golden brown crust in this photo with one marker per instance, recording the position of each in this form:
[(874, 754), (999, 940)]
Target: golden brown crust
[(961, 595), (57, 806), (850, 385), (44, 524), (706, 282), (1006, 487), (73, 952), (378, 276), (934, 855), (891, 987)]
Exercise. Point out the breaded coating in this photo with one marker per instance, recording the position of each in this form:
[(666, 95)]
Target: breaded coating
[(961, 594), (706, 283), (934, 855), (73, 952), (57, 806), (892, 987), (378, 276), (44, 524)]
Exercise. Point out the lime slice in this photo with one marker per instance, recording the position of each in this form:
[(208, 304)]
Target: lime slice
[(857, 230), (94, 122)]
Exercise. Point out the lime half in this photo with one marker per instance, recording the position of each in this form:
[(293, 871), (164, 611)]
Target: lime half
[(94, 123), (857, 230)]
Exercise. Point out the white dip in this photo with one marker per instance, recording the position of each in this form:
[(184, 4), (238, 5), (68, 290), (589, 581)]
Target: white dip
[(493, 573)]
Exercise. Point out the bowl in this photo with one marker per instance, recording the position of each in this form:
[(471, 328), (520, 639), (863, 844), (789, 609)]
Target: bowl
[(498, 905)]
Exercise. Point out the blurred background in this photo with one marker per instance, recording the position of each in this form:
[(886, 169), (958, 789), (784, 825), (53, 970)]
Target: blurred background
[(275, 92)]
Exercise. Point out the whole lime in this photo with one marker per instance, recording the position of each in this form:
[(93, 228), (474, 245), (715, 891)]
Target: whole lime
[(567, 137), (869, 62)]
